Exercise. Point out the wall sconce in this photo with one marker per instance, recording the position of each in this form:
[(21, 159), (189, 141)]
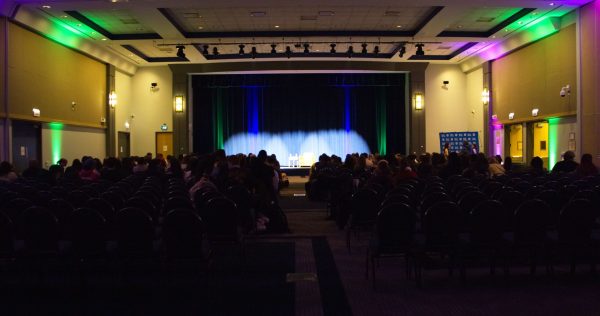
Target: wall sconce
[(154, 86), (126, 124), (418, 101), (36, 112), (178, 104), (534, 112), (112, 99), (511, 115), (485, 96)]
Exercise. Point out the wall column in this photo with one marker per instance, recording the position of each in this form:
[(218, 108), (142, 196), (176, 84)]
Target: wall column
[(488, 135), (111, 133), (417, 117), (180, 119), (589, 108)]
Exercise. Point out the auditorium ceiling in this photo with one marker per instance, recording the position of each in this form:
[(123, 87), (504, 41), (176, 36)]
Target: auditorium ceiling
[(147, 32)]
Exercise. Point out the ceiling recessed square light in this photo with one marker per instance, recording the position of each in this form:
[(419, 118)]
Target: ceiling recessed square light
[(326, 13), (276, 26), (46, 7)]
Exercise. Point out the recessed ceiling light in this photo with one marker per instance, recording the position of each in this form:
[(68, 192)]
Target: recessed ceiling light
[(200, 27), (459, 26), (505, 30), (551, 3), (534, 13), (494, 36), (46, 7), (93, 33), (317, 50), (104, 39), (399, 26), (65, 16), (520, 22), (276, 26)]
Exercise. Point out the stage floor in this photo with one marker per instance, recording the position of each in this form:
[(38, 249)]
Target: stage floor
[(296, 171)]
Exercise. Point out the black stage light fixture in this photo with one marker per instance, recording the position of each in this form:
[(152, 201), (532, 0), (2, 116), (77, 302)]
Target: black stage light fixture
[(205, 50), (350, 51), (180, 51), (420, 51), (402, 51), (288, 51), (376, 50), (332, 48), (364, 48), (253, 52), (273, 50), (241, 46), (215, 51), (306, 45)]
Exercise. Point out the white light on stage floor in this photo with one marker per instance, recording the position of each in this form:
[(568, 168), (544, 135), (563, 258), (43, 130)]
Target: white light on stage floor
[(298, 144)]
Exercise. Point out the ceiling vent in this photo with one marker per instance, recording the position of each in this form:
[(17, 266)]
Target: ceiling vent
[(258, 14), (308, 18), (129, 21), (392, 13), (485, 19), (326, 13), (191, 15)]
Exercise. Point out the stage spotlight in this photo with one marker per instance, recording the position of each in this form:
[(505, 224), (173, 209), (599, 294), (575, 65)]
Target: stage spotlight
[(253, 52), (205, 50), (332, 48), (241, 46), (364, 48), (288, 51), (306, 45), (273, 50), (420, 51), (376, 50), (215, 51), (402, 51), (350, 51), (180, 51)]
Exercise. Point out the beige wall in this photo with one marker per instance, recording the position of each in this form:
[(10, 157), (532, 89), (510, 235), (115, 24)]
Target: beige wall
[(49, 76), (474, 104), (71, 142), (149, 108), (532, 77), (454, 108), (3, 68)]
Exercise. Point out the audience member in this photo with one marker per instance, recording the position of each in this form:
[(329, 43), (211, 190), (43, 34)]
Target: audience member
[(567, 165), (7, 172), (586, 167)]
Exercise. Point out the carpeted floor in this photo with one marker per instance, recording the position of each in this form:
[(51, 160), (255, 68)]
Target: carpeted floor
[(483, 294)]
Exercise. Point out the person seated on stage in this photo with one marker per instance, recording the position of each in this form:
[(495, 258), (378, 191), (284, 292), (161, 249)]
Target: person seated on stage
[(567, 165)]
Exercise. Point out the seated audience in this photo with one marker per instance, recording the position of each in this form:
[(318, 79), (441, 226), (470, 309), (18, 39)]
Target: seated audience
[(567, 165), (586, 167), (7, 172)]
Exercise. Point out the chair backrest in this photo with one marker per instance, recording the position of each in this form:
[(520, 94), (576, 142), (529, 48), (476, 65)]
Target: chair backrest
[(144, 204), (88, 231), (530, 221), (77, 198), (15, 207), (221, 218), (396, 198), (431, 199), (395, 227), (486, 222), (491, 187), (182, 232), (470, 200), (104, 207), (7, 235), (40, 229), (135, 232), (364, 206), (177, 202), (114, 198), (577, 220), (441, 223)]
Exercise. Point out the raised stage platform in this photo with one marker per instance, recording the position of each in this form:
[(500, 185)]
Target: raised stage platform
[(296, 171)]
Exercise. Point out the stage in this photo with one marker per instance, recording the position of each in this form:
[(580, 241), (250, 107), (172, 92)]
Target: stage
[(296, 171)]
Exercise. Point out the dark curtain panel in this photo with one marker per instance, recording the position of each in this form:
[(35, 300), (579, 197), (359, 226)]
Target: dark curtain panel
[(371, 105)]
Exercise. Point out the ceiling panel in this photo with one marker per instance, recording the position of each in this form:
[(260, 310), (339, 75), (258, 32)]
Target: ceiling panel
[(482, 19), (117, 21)]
